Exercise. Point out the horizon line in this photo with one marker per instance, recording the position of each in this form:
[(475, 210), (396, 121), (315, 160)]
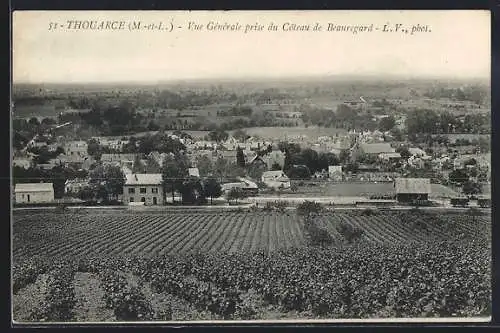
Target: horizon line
[(265, 78)]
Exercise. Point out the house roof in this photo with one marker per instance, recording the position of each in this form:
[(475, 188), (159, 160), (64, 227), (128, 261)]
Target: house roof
[(255, 158), (143, 179), (277, 175), (413, 185), (227, 153), (118, 157), (416, 151), (34, 187), (377, 148), (390, 155), (78, 143), (248, 182), (194, 172)]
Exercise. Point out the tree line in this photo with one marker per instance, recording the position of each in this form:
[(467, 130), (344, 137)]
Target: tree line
[(432, 122)]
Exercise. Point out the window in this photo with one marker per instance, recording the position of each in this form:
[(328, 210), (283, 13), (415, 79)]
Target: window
[(131, 199), (142, 190), (143, 199), (131, 190), (154, 190)]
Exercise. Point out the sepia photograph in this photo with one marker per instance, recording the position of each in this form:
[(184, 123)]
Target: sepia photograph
[(250, 166)]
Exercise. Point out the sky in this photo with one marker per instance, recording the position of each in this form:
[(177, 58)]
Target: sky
[(458, 46)]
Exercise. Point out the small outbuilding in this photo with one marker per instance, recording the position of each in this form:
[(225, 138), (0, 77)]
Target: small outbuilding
[(411, 189), (34, 193)]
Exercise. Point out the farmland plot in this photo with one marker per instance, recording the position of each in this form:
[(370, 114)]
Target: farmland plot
[(150, 234), (110, 266)]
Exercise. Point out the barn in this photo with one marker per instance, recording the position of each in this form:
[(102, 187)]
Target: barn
[(411, 189), (34, 193)]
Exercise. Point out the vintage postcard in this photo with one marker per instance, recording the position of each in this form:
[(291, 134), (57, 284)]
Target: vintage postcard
[(211, 166)]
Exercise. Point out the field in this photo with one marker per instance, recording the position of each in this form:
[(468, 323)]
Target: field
[(39, 111), (272, 133), (132, 266), (364, 189)]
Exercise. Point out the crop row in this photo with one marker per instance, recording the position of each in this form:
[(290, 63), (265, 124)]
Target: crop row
[(59, 299), (57, 235), (441, 280), (27, 273), (172, 277), (348, 281), (128, 302)]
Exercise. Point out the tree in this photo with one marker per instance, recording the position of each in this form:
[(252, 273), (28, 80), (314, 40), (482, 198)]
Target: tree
[(43, 156), (275, 167), (240, 135), (59, 151), (309, 207), (386, 123), (34, 122), (115, 179), (471, 188), (220, 167), (235, 194), (130, 146), (310, 159), (327, 159), (191, 191), (422, 121), (86, 193), (138, 166), (153, 126), (212, 188), (482, 176), (101, 192), (484, 145), (218, 135), (396, 133), (458, 176), (204, 165), (107, 179), (147, 144), (471, 161), (352, 167), (152, 166), (240, 157), (287, 164), (174, 171), (48, 121), (299, 172), (256, 170), (224, 169), (404, 152), (344, 156)]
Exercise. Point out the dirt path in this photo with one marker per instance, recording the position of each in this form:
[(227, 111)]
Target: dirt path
[(28, 299), (90, 305)]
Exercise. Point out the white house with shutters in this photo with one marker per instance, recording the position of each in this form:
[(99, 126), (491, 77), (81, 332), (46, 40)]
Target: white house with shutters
[(143, 187)]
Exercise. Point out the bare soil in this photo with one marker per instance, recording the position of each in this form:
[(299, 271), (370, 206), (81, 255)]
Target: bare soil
[(90, 306)]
